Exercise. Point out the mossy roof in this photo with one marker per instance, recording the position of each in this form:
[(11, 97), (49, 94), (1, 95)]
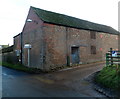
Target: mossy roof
[(64, 20)]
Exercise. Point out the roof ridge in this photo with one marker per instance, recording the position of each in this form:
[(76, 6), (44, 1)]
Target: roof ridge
[(70, 21), (68, 16)]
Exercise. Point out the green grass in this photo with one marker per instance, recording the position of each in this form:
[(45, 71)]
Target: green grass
[(109, 77), (20, 67)]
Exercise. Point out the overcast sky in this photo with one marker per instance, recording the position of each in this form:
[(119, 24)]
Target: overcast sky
[(13, 13)]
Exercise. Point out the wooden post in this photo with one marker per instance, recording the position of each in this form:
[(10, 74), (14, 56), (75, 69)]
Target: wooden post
[(107, 61), (118, 55), (111, 56), (68, 60)]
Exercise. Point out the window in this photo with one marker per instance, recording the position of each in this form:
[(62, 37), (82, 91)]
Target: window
[(93, 35), (93, 49)]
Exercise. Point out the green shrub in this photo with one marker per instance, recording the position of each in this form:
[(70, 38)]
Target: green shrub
[(109, 78)]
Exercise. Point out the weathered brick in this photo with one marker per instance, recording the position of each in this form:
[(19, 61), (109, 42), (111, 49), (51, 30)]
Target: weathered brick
[(51, 44)]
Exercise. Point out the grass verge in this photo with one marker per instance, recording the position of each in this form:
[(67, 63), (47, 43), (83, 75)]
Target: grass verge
[(20, 67), (109, 77)]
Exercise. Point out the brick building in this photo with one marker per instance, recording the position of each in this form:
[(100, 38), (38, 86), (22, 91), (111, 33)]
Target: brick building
[(57, 40), (18, 47)]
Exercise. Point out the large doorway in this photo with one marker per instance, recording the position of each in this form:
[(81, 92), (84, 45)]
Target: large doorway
[(75, 55)]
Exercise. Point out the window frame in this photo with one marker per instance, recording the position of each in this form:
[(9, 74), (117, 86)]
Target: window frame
[(93, 49), (92, 34)]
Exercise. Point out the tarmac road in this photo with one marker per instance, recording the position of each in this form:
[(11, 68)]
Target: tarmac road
[(65, 83)]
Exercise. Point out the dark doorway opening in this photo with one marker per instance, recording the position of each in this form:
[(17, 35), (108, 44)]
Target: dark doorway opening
[(75, 55)]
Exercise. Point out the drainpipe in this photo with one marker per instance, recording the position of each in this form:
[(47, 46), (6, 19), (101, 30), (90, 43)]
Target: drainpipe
[(21, 48), (68, 57)]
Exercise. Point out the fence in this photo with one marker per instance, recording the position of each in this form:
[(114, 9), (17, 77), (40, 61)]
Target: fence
[(112, 57), (8, 55), (6, 50)]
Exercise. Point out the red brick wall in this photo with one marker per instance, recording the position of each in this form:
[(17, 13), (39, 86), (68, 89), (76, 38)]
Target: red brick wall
[(17, 42), (51, 44), (36, 22), (60, 39), (55, 39), (33, 35)]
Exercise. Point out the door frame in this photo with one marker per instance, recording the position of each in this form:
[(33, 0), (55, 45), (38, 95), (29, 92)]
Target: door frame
[(78, 54)]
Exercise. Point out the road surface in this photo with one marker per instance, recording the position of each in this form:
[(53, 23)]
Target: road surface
[(66, 83)]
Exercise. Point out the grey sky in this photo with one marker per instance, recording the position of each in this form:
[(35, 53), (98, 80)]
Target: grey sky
[(13, 13)]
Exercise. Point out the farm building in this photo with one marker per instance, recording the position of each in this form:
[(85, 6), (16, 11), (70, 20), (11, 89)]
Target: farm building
[(58, 40)]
